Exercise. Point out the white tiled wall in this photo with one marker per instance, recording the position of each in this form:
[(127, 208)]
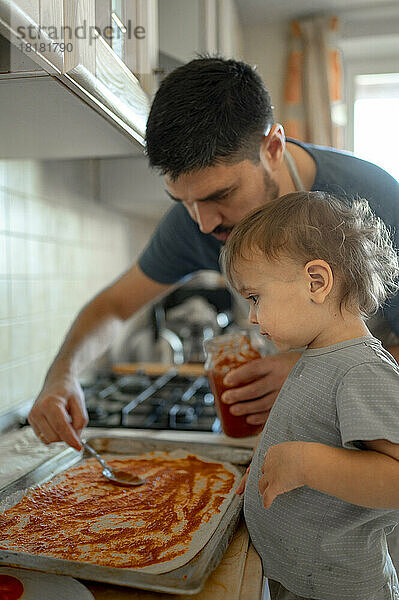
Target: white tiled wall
[(58, 247)]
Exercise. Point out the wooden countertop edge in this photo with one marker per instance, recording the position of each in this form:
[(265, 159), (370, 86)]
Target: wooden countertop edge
[(252, 579), (189, 369)]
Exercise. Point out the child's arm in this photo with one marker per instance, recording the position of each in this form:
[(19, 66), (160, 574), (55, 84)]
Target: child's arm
[(363, 477)]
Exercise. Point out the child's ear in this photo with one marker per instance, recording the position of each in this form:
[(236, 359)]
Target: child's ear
[(319, 279)]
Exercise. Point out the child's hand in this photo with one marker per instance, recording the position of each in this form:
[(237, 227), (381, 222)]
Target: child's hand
[(243, 483), (282, 470)]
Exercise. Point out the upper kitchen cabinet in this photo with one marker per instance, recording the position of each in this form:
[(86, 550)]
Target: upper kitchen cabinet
[(76, 76), (134, 37), (189, 27)]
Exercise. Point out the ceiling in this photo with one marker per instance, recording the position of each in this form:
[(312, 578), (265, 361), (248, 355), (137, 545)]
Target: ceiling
[(262, 11)]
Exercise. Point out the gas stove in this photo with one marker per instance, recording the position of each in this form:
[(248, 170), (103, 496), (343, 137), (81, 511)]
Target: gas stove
[(169, 401)]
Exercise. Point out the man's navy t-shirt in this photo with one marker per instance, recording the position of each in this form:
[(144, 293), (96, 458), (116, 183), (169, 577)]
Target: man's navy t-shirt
[(178, 248)]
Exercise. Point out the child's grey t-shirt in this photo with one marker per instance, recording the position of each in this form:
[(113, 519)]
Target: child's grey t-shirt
[(316, 545)]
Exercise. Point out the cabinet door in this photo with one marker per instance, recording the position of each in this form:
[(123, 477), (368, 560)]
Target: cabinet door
[(51, 19), (96, 62), (143, 47), (79, 19), (130, 28), (31, 8), (63, 39), (35, 28)]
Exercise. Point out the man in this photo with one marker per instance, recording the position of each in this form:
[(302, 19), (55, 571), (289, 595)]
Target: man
[(211, 134)]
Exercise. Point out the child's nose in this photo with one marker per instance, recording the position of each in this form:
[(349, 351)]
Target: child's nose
[(207, 218)]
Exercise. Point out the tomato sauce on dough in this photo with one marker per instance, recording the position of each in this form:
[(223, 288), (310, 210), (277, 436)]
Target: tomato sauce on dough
[(81, 516)]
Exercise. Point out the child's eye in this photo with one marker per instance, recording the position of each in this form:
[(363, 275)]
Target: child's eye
[(253, 299)]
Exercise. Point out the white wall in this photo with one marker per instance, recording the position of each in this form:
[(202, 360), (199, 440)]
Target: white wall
[(179, 32), (58, 247), (231, 42), (130, 185), (187, 27), (266, 46)]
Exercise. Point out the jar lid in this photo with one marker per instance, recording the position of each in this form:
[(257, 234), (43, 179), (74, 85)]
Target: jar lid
[(230, 341)]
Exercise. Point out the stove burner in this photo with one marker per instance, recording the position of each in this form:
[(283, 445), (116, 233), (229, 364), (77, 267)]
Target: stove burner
[(180, 415), (134, 384), (97, 413), (142, 401)]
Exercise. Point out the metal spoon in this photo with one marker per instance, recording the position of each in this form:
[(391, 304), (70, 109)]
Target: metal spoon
[(117, 477)]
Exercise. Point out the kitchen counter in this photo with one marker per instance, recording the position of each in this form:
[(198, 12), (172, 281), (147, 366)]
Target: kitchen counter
[(239, 574)]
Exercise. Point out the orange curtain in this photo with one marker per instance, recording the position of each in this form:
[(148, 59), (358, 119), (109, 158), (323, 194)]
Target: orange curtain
[(314, 110)]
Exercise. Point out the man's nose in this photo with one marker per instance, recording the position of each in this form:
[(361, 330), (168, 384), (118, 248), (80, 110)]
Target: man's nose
[(207, 218), (252, 316)]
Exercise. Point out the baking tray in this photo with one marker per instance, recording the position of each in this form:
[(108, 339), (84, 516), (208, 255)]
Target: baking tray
[(188, 579)]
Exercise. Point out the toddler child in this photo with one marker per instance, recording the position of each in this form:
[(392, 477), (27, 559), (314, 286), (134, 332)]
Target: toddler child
[(323, 488)]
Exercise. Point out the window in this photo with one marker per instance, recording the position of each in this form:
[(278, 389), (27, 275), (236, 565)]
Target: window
[(370, 47), (376, 119)]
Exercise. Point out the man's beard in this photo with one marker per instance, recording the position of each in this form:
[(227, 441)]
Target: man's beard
[(271, 192), (221, 229)]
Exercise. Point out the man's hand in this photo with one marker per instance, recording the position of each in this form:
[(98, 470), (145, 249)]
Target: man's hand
[(59, 413), (264, 378), (283, 470)]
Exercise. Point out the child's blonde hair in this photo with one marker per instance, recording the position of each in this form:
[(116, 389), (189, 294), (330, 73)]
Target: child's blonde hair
[(307, 226)]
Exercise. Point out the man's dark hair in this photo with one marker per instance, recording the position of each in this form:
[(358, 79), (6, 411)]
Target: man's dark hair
[(207, 111)]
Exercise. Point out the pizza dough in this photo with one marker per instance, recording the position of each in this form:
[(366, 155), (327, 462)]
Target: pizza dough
[(154, 528)]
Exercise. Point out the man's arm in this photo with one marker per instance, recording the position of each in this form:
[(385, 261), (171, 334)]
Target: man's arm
[(364, 477), (59, 412)]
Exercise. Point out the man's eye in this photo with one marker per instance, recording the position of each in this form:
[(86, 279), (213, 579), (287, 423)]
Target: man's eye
[(253, 299)]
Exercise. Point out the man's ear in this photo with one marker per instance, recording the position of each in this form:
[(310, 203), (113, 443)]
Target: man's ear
[(272, 148), (320, 280)]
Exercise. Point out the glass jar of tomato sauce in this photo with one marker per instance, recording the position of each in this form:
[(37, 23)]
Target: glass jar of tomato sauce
[(224, 353)]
